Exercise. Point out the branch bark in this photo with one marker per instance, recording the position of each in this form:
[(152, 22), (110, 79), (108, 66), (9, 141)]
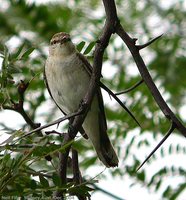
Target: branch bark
[(112, 25), (109, 28), (19, 107), (148, 80)]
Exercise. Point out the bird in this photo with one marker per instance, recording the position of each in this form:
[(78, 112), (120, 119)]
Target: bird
[(67, 76)]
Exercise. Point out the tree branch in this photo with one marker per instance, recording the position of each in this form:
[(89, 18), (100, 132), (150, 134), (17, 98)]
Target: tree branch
[(77, 178), (107, 193), (110, 24), (52, 123), (75, 167), (148, 79), (120, 102), (158, 145), (131, 88), (19, 107)]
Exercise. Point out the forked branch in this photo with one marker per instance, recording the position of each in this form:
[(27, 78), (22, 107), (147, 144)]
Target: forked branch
[(120, 103), (148, 80)]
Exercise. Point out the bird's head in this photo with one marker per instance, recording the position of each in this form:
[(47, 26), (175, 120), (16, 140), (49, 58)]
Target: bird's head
[(61, 44)]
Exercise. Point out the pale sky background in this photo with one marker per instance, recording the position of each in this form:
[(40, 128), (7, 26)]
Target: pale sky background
[(120, 186)]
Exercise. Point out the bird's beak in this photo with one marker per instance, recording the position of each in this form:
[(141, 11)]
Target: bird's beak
[(65, 38)]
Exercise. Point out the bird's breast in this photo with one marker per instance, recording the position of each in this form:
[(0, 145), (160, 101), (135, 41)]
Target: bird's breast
[(68, 81)]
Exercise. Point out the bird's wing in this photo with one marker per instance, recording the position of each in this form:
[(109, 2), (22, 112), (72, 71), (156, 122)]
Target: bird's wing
[(46, 83), (88, 66), (103, 123)]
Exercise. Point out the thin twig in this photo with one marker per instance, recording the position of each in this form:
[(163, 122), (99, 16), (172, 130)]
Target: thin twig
[(148, 43), (53, 132), (75, 167), (19, 107), (107, 193), (120, 102), (76, 172), (158, 145), (148, 80), (52, 123), (131, 88)]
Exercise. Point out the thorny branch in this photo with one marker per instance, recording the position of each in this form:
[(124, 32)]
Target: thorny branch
[(158, 145), (112, 25), (148, 80), (146, 77), (119, 101)]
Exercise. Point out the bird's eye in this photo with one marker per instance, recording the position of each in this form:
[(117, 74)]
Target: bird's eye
[(53, 42)]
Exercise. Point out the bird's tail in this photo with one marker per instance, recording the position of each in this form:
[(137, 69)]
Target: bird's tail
[(104, 148), (96, 128), (107, 154)]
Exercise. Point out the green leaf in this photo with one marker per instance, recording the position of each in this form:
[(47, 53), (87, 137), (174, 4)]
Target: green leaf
[(178, 148), (141, 176), (14, 69), (42, 151), (166, 193), (27, 53), (173, 170), (4, 70), (162, 152), (43, 181), (48, 193), (11, 138), (6, 158), (19, 188), (56, 179), (81, 190), (177, 192), (89, 161), (80, 46), (18, 159), (33, 184), (32, 72), (158, 185), (89, 48), (170, 149), (15, 56)]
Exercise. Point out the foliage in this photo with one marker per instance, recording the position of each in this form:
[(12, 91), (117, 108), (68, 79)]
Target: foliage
[(25, 169)]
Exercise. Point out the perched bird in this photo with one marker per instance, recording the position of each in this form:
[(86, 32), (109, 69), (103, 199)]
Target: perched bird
[(67, 75)]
